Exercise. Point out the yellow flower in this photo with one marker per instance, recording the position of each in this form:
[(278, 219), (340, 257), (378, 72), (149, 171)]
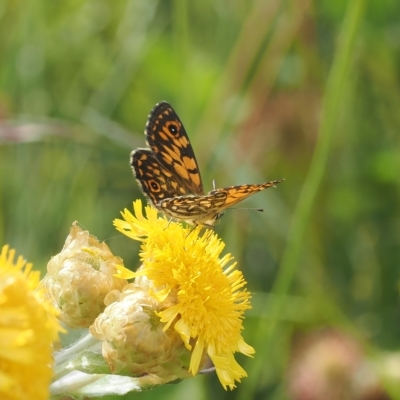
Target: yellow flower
[(80, 276), (208, 295), (28, 328)]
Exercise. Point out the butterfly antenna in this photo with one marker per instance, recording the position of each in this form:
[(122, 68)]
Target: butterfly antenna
[(245, 208)]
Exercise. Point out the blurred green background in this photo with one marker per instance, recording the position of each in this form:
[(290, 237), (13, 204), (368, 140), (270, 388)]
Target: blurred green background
[(303, 90)]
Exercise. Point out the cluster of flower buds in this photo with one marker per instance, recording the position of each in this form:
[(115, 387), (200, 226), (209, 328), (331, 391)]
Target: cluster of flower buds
[(181, 315)]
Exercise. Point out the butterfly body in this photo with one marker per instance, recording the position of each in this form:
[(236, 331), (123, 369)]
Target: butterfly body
[(170, 178)]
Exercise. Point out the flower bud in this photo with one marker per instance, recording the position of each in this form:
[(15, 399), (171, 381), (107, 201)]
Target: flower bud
[(80, 276), (134, 341)]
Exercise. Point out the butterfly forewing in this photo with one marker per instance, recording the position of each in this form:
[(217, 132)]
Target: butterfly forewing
[(235, 194), (167, 138), (204, 208)]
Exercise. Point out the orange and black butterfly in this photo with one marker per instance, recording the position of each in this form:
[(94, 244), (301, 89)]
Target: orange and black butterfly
[(169, 175)]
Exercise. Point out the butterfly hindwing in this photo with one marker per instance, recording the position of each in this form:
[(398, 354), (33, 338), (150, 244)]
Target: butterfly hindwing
[(156, 182)]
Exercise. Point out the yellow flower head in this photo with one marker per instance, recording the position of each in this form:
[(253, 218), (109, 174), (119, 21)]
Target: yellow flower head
[(28, 328), (206, 295)]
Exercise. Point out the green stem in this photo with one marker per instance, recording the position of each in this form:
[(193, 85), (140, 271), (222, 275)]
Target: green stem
[(330, 111), (330, 114)]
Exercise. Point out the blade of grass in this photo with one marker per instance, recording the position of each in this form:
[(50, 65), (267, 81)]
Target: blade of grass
[(250, 63), (133, 29), (330, 111)]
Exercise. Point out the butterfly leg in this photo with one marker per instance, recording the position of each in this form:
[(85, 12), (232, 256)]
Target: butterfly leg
[(193, 227), (169, 221)]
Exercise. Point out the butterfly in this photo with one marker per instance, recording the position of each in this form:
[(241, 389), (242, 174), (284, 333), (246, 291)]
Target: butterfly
[(169, 176)]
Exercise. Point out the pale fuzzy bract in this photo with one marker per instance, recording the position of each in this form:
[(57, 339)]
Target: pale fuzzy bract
[(80, 276), (28, 329), (207, 295), (134, 342)]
